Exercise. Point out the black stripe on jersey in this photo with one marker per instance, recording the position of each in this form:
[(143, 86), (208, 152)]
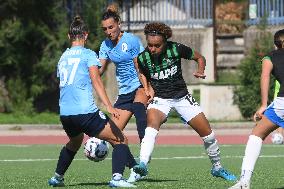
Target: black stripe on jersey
[(148, 61), (159, 63)]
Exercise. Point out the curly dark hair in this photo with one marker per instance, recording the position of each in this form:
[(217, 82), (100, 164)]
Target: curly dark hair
[(78, 29), (158, 28), (279, 39)]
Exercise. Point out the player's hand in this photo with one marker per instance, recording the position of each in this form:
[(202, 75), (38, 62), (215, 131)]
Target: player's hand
[(199, 75), (113, 111), (150, 94), (259, 113)]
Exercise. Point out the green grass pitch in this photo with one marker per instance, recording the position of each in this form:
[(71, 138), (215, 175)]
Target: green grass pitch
[(174, 166)]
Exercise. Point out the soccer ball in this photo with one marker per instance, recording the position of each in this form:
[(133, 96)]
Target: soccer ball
[(96, 149), (277, 138)]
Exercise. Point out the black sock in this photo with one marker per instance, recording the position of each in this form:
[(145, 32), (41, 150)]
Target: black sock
[(139, 112), (131, 161), (120, 155), (65, 159)]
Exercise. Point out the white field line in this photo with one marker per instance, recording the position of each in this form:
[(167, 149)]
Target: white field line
[(135, 145), (159, 158)]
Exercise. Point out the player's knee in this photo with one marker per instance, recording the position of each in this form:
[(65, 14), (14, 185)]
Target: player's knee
[(74, 143), (121, 139)]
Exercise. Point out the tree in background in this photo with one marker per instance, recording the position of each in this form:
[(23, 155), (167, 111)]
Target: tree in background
[(247, 94), (33, 35), (31, 38)]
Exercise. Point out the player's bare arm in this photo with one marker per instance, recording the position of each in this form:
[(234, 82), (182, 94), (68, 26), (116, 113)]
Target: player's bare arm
[(201, 61), (99, 87), (146, 84), (104, 66), (264, 85)]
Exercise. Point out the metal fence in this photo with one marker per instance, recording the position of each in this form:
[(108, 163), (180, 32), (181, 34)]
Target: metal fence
[(192, 13), (176, 13), (272, 10)]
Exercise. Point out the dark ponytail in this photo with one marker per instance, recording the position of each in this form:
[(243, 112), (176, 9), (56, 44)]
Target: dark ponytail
[(279, 39), (78, 29)]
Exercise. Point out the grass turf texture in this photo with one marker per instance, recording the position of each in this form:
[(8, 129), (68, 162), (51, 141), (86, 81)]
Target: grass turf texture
[(175, 166)]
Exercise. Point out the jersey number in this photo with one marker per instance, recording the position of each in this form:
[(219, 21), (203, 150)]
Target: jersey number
[(67, 77), (191, 100)]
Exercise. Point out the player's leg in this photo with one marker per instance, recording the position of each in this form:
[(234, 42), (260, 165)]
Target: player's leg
[(100, 126), (200, 124), (263, 128), (139, 110), (155, 118), (120, 155), (191, 112), (272, 115), (124, 106), (123, 119), (156, 115), (68, 152)]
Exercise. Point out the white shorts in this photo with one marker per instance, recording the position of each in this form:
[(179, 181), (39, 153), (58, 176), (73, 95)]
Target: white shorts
[(186, 106)]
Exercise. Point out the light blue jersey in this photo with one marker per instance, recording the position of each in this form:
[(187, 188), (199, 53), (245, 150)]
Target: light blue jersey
[(76, 91), (122, 55)]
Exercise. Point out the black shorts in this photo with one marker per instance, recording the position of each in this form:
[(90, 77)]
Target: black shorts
[(125, 101), (91, 124)]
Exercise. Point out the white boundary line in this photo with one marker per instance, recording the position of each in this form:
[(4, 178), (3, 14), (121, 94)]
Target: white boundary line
[(163, 158), (134, 145)]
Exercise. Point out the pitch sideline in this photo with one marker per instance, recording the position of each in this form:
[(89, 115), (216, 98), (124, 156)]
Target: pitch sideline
[(163, 158)]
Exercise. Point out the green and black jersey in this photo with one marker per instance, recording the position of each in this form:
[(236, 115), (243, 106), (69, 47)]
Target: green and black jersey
[(277, 59), (164, 71)]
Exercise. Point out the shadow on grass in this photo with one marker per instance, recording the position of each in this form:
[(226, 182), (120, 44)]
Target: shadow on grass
[(157, 180), (280, 188), (90, 184), (106, 183)]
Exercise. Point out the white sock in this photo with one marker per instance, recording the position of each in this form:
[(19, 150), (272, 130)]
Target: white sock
[(147, 144), (252, 152), (116, 176), (212, 148), (58, 176)]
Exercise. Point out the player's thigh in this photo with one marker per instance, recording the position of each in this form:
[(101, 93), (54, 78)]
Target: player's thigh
[(140, 96), (263, 128), (155, 118), (157, 112), (271, 120), (112, 134), (186, 107), (124, 106), (192, 114), (73, 131), (123, 119)]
